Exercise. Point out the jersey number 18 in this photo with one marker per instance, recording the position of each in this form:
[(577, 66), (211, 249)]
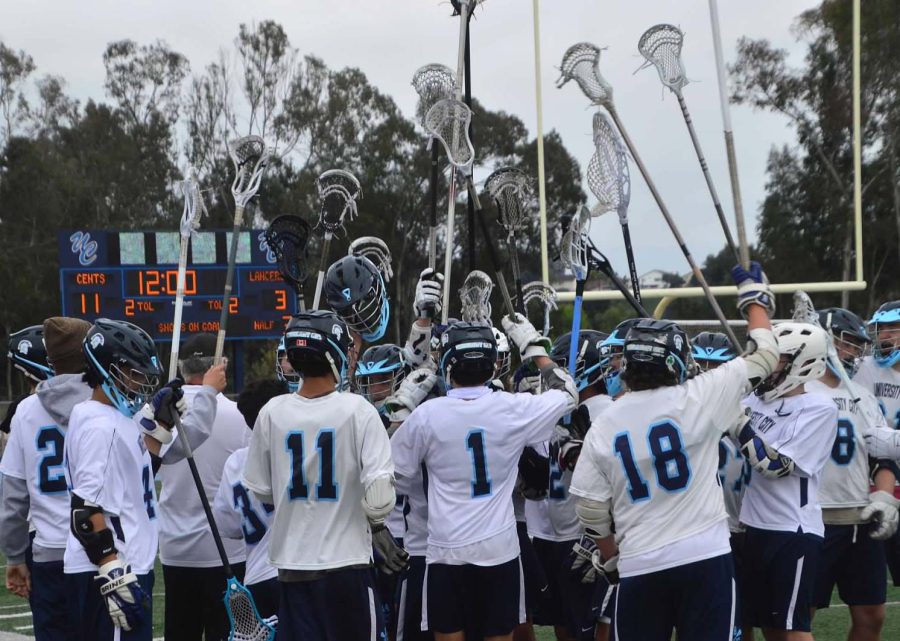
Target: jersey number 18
[(670, 461)]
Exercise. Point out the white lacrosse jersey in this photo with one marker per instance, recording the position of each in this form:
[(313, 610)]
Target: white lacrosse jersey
[(34, 453), (470, 442), (845, 479), (884, 384), (108, 464), (312, 458), (734, 473), (564, 522), (654, 455), (803, 428), (241, 515), (185, 539), (413, 521)]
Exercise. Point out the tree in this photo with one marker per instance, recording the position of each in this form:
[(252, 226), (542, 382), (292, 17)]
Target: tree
[(15, 67)]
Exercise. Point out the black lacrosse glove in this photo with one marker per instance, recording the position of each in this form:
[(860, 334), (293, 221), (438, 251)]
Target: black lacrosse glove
[(534, 474)]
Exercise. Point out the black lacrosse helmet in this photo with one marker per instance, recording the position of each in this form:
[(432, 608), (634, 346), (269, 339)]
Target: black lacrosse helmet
[(318, 337), (123, 359), (589, 367), (26, 351), (468, 348), (711, 347), (850, 334), (657, 347), (355, 290)]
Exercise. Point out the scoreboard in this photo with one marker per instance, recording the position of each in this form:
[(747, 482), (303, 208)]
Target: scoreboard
[(133, 276)]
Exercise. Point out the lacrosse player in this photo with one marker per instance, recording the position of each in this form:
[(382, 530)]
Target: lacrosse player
[(26, 352), (470, 442), (853, 556), (34, 484), (112, 541), (322, 458), (611, 350), (651, 459), (283, 370)]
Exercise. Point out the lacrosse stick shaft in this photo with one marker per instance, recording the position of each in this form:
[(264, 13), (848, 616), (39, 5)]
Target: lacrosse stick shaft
[(629, 255), (323, 264), (229, 281), (603, 265), (492, 252), (432, 232), (517, 275), (707, 176), (461, 46), (448, 251), (179, 306), (576, 326), (713, 303), (470, 207)]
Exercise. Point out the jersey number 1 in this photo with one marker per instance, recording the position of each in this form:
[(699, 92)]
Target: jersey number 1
[(481, 480), (326, 488), (670, 462)]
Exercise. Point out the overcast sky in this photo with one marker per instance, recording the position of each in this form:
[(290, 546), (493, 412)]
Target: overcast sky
[(390, 39)]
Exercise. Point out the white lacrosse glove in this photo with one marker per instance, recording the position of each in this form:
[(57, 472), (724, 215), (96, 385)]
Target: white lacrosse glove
[(753, 288), (882, 512), (158, 416), (582, 560), (527, 339), (429, 292), (414, 389), (125, 599)]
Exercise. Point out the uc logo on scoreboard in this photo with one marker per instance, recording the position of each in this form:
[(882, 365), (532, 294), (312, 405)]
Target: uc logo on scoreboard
[(84, 247)]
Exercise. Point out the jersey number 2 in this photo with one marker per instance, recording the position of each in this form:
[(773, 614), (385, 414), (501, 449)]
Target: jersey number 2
[(670, 462), (326, 489), (50, 443)]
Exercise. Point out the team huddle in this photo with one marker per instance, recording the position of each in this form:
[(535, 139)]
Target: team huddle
[(426, 491)]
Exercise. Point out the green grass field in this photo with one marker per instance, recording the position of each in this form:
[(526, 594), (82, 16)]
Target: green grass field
[(830, 625)]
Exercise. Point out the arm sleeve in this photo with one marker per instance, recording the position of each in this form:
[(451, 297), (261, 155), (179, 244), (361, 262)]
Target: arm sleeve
[(258, 469), (407, 450), (197, 423), (227, 517), (14, 505), (589, 480), (95, 478), (374, 446), (541, 413)]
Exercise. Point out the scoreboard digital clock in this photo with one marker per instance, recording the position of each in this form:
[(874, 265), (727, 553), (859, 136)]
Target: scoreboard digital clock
[(133, 276)]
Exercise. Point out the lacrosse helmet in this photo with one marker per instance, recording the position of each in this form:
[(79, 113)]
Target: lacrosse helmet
[(27, 353), (657, 347), (468, 348), (290, 377), (851, 339), (588, 363), (503, 354), (806, 347), (885, 324), (318, 337), (709, 348), (379, 372), (437, 329), (611, 350), (354, 289), (122, 359)]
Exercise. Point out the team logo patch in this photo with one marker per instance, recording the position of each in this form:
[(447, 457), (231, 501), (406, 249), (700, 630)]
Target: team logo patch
[(97, 340), (678, 342), (347, 295), (336, 329), (24, 346), (300, 342), (709, 350)]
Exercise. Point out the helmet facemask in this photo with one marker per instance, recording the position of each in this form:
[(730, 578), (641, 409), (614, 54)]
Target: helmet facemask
[(128, 388), (368, 317)]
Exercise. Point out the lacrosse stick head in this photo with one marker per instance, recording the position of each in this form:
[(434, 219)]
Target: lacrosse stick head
[(448, 120), (661, 47), (512, 191), (607, 172), (287, 236), (338, 190), (194, 206), (574, 247), (246, 623), (581, 63), (804, 310), (249, 155), (356, 291), (376, 250), (432, 82), (543, 295), (475, 296)]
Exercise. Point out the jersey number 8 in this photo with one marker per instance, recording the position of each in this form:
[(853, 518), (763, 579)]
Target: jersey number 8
[(670, 462)]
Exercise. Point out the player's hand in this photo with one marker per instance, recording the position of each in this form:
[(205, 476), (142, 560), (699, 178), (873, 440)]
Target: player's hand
[(569, 448), (753, 288), (429, 292), (414, 389), (581, 557), (527, 379), (125, 599), (389, 557), (215, 377), (526, 338), (18, 580), (579, 423), (882, 513)]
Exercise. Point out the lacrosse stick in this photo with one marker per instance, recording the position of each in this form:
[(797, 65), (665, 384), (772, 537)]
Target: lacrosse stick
[(243, 617), (574, 252), (661, 47), (581, 63), (598, 261), (287, 237), (249, 155), (376, 250), (338, 190), (475, 296), (512, 193), (545, 296), (190, 221), (432, 82), (609, 180)]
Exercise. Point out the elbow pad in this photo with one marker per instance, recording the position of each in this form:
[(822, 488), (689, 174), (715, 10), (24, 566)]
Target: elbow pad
[(555, 377), (762, 355), (595, 516), (379, 499), (96, 544), (762, 458)]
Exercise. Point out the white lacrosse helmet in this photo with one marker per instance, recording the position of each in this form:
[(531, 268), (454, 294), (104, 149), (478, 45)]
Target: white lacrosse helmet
[(503, 354), (807, 345)]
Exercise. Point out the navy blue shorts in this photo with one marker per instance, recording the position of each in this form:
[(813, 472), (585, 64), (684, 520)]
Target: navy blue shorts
[(737, 556), (341, 606), (892, 552), (853, 561), (409, 603), (53, 607), (93, 620), (569, 602), (778, 585), (536, 584), (488, 599), (267, 597), (603, 601), (696, 600)]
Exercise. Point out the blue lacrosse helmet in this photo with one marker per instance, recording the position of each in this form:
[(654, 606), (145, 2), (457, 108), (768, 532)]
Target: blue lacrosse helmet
[(379, 373), (355, 290), (711, 347), (886, 349), (610, 348)]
